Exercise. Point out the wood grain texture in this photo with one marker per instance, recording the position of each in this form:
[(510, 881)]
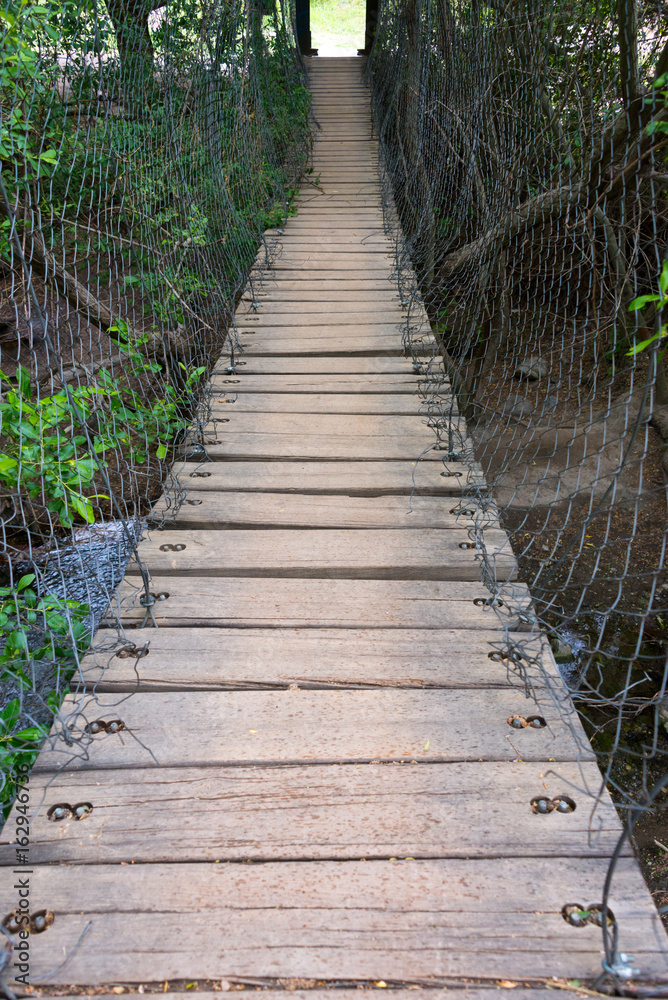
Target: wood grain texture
[(283, 342), (210, 658), (321, 366), (385, 320), (308, 993), (237, 444), (334, 425), (313, 402), (352, 478), (361, 554), (253, 603), (329, 383), (336, 920), (318, 812), (218, 511), (304, 511), (202, 728)]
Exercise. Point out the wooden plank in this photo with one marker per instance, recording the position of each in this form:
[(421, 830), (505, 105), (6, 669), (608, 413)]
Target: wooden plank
[(384, 321), (385, 515), (364, 345), (361, 920), (223, 658), (331, 424), (343, 994), (303, 725), (311, 402), (335, 553), (324, 286), (321, 366), (368, 384), (261, 603), (279, 346), (371, 262), (313, 300), (317, 812), (350, 478), (257, 445)]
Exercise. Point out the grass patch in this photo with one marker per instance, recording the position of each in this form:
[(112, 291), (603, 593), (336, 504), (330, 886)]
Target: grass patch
[(337, 26)]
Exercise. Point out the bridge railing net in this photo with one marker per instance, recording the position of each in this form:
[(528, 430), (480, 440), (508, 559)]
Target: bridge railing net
[(145, 149), (525, 148)]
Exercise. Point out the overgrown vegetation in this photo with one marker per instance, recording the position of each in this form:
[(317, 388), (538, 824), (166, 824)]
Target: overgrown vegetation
[(143, 154), (526, 147)]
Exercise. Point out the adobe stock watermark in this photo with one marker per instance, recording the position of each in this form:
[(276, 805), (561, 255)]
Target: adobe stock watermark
[(19, 922)]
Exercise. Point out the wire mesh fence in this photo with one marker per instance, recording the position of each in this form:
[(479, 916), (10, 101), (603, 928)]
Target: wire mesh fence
[(145, 149), (524, 146)]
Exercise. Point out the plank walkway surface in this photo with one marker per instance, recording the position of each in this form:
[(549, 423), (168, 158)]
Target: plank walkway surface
[(316, 782)]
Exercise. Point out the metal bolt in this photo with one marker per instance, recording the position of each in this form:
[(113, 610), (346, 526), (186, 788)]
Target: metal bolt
[(94, 727), (39, 923), (82, 810), (517, 723), (563, 806), (60, 812), (113, 727), (537, 723)]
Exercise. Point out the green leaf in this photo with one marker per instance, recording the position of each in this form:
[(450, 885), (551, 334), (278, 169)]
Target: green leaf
[(31, 733), (25, 581), (637, 348), (642, 300), (161, 451), (84, 508), (663, 278), (24, 381)]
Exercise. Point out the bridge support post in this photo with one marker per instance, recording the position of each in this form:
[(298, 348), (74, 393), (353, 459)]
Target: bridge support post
[(303, 19)]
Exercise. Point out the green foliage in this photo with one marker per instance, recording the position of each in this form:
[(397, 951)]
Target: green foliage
[(18, 750), (55, 625), (662, 301), (43, 457), (34, 629)]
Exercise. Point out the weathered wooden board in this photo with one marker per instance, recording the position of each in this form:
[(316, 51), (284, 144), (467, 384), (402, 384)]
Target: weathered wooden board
[(197, 601), (351, 478), (235, 444), (373, 243), (360, 343), (210, 658), (389, 513), (341, 263), (308, 993), (297, 812), (335, 365), (200, 728), (312, 402), (335, 318), (316, 300), (325, 436), (366, 554), (296, 287), (335, 425), (366, 920), (301, 382)]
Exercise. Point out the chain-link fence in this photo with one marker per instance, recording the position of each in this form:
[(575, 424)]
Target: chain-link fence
[(525, 147), (145, 149)]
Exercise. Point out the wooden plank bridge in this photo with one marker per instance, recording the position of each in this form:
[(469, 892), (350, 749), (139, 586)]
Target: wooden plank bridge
[(316, 783)]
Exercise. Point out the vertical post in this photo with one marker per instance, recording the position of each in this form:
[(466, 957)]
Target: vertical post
[(370, 29), (303, 19)]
